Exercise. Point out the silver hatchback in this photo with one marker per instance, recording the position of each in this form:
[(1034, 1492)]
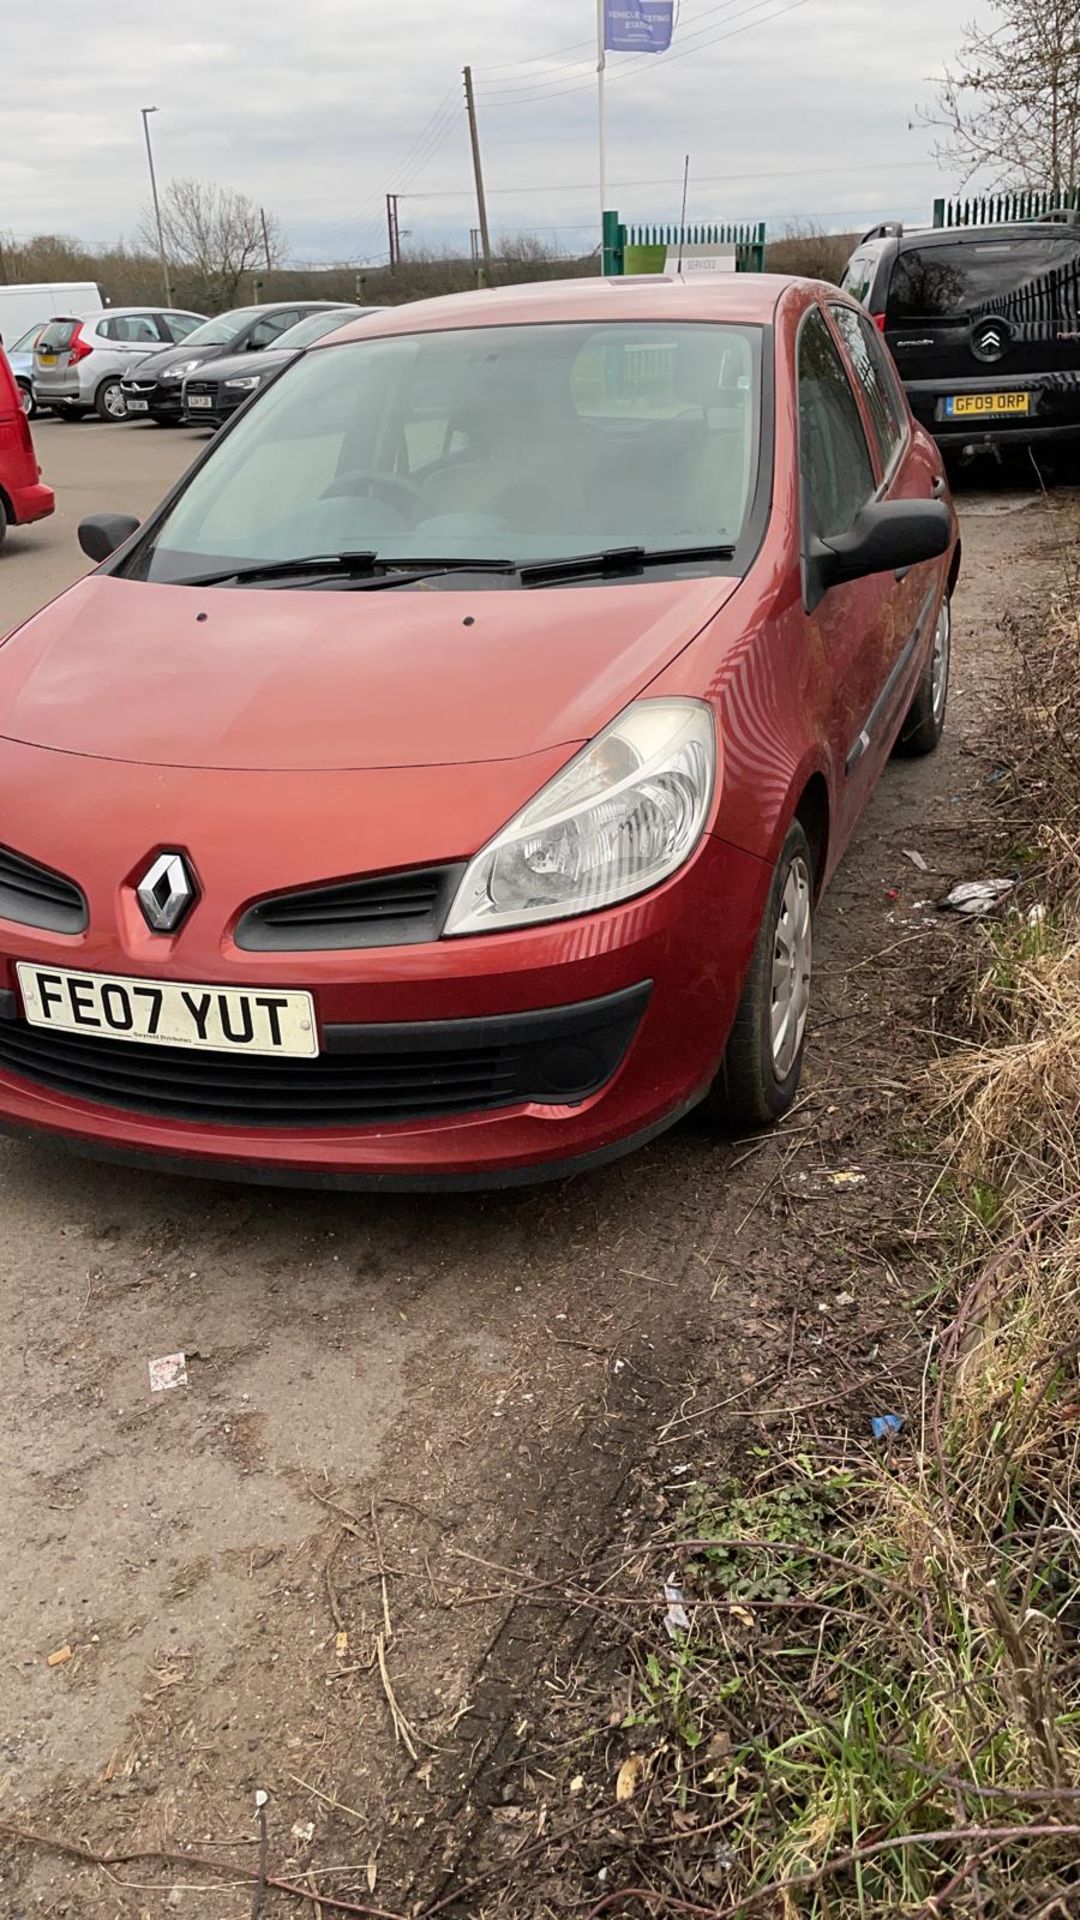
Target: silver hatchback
[(79, 364)]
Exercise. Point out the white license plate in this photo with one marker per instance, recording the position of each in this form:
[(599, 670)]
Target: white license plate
[(137, 406), (168, 1013), (199, 400)]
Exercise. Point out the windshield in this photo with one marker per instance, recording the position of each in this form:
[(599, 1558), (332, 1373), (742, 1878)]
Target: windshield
[(314, 327), (523, 443), (26, 340), (1030, 277), (219, 331)]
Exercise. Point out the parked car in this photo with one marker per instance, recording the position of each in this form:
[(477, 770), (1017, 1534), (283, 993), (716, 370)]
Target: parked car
[(23, 497), (21, 360), (452, 763), (984, 324), (213, 392), (155, 387), (79, 364)]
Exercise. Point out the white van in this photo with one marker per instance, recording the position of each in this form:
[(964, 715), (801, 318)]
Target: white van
[(28, 306)]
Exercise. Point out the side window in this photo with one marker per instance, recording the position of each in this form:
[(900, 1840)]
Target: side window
[(267, 330), (835, 471), (130, 327), (875, 376)]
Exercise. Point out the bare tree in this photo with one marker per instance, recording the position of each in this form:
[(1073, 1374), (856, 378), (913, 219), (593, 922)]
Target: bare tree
[(219, 235), (1010, 105)]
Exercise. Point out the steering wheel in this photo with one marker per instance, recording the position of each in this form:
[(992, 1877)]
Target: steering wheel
[(370, 480)]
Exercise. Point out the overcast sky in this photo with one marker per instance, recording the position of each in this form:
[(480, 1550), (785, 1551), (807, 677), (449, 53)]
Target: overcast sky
[(320, 107)]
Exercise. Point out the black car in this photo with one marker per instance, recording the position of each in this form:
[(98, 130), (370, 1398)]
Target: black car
[(213, 392), (984, 324), (153, 388)]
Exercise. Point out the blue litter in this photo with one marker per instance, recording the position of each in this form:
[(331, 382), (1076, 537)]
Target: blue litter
[(884, 1424)]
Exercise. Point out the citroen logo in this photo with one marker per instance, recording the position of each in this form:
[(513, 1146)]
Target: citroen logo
[(991, 339), (166, 892)]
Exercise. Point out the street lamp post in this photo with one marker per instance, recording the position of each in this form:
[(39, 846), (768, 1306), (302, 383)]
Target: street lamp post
[(146, 112)]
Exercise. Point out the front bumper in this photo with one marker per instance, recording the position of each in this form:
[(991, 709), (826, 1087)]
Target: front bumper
[(155, 398), (660, 976)]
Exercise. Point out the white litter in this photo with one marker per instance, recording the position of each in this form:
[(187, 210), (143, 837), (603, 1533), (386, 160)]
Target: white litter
[(913, 854), (975, 897), (1036, 916), (676, 1619), (169, 1371)]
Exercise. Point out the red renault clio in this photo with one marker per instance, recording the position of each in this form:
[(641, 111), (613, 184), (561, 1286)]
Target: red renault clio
[(437, 789)]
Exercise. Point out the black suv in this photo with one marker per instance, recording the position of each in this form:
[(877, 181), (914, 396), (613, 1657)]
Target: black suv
[(984, 323)]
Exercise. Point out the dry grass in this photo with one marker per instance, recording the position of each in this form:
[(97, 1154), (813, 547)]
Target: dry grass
[(876, 1710)]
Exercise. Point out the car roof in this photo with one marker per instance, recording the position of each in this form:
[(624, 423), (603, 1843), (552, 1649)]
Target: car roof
[(660, 298), (992, 230), (110, 313)]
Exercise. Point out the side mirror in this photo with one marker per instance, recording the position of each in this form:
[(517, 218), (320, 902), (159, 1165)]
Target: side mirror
[(888, 536), (100, 534)]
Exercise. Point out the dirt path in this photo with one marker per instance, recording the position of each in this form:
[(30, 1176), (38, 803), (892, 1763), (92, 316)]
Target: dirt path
[(385, 1395)]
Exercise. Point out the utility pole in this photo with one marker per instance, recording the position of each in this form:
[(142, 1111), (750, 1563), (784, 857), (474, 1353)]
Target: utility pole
[(393, 230), (266, 239), (478, 171), (146, 112)]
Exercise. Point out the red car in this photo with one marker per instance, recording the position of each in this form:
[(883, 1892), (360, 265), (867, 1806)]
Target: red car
[(22, 496), (437, 789)]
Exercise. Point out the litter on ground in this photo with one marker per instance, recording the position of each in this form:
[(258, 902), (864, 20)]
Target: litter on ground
[(975, 897), (169, 1371)]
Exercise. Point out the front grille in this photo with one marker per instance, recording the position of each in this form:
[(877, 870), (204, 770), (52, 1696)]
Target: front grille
[(367, 1076), (36, 897), (380, 910), (200, 386), (336, 1090)]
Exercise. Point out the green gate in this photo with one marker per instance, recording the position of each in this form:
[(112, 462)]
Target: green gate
[(1025, 203), (644, 249)]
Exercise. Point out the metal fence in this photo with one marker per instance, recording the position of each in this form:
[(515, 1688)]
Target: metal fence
[(1026, 203), (748, 239)]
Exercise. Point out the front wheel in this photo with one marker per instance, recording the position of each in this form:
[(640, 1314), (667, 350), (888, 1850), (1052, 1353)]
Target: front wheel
[(109, 401), (924, 721), (762, 1066)]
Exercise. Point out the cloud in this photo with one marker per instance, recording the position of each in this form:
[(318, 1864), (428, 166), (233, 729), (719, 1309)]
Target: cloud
[(317, 110)]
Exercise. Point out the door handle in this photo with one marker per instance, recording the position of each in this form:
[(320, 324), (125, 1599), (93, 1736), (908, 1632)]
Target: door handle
[(937, 491)]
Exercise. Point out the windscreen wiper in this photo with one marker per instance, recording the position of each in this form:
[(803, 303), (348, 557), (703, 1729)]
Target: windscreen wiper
[(344, 566), (615, 560)]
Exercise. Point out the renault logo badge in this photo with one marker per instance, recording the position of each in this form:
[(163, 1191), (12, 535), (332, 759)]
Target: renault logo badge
[(166, 893)]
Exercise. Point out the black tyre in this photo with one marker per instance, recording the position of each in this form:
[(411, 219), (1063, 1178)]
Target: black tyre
[(763, 1063), (109, 402), (3, 522), (26, 396), (924, 721)]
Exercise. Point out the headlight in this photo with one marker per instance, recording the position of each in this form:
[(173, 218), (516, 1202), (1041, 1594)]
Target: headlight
[(177, 373), (626, 813), (250, 380)]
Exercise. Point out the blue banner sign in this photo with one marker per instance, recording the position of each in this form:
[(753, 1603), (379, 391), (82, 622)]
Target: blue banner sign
[(638, 26)]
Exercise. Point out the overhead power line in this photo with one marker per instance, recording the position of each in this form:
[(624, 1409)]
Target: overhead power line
[(652, 61)]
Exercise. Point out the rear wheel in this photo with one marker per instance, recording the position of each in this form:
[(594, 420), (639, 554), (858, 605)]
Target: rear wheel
[(763, 1062), (3, 522), (26, 398), (924, 721), (109, 402)]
